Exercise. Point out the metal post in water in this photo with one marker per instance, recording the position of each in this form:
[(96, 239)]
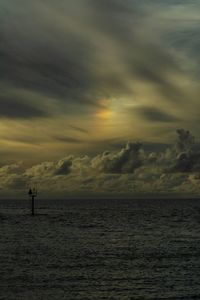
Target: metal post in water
[(33, 205), (32, 193)]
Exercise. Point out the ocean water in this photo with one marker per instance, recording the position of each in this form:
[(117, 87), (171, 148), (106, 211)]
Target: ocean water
[(100, 249)]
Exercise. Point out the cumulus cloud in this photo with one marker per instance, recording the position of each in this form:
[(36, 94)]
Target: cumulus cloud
[(130, 171), (185, 141), (184, 158), (124, 161), (46, 169)]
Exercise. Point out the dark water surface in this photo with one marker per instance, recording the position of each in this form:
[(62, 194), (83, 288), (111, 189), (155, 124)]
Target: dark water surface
[(100, 249)]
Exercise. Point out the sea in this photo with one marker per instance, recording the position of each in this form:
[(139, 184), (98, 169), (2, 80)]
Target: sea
[(100, 249)]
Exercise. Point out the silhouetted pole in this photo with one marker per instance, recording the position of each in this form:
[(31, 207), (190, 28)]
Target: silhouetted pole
[(33, 205), (32, 194)]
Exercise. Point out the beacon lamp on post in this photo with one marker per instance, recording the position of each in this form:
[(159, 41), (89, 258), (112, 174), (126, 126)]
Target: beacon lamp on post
[(32, 193)]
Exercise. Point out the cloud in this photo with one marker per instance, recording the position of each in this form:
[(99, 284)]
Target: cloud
[(155, 114), (187, 162), (73, 54), (130, 171), (46, 169), (93, 49), (183, 156), (67, 139), (15, 108), (16, 168), (124, 161), (76, 128), (63, 167), (185, 141)]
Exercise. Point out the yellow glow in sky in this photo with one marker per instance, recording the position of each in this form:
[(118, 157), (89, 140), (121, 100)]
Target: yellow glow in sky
[(104, 114)]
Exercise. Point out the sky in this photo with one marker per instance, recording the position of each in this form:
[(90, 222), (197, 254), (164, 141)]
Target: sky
[(92, 94)]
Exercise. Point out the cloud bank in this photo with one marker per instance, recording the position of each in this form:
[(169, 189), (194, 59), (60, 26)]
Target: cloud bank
[(129, 171)]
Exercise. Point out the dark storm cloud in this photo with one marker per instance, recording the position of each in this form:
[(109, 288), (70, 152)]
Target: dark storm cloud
[(14, 108), (43, 58), (54, 75), (78, 52), (155, 114)]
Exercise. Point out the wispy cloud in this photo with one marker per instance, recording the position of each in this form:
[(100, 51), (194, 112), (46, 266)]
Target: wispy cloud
[(58, 60)]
